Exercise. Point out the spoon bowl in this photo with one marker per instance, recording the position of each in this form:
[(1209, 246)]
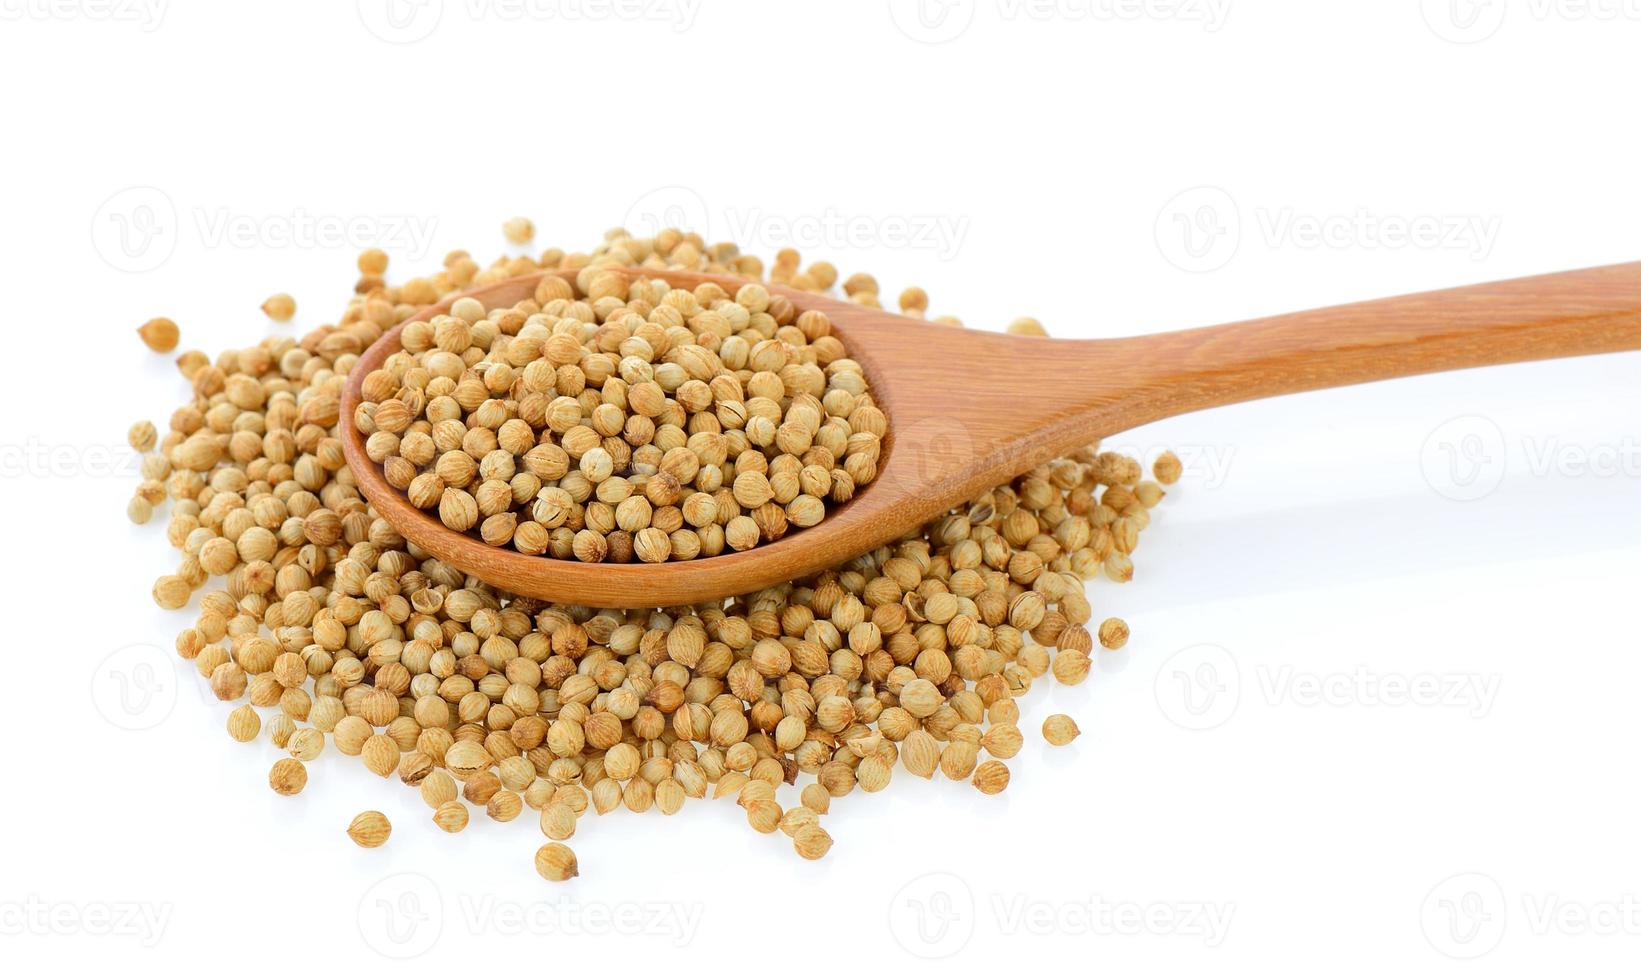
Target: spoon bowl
[(969, 410)]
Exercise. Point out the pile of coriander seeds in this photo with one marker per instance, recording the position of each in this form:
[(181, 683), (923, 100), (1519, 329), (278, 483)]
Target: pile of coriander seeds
[(340, 637)]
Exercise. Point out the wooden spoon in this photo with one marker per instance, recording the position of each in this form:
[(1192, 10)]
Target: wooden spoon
[(968, 410)]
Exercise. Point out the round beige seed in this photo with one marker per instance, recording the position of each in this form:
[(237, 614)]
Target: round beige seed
[(519, 231), (280, 307), (555, 862), (370, 829), (160, 334), (1060, 729), (450, 817), (1166, 468), (558, 821), (991, 777), (142, 436), (244, 723), (812, 842), (287, 777)]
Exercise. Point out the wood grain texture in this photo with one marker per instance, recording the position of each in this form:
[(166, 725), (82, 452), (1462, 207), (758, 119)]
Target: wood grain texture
[(969, 410)]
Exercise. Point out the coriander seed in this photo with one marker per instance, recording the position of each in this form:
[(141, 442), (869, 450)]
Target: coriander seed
[(142, 436), (244, 723), (370, 829), (1113, 633), (171, 591), (287, 777), (372, 262), (1002, 741), (450, 817), (1070, 666), (558, 821), (991, 777), (519, 231), (279, 307), (139, 510), (812, 842), (160, 334), (1166, 468), (555, 862), (1060, 729)]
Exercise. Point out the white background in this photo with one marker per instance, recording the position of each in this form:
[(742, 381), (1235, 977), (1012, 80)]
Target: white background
[(1476, 531)]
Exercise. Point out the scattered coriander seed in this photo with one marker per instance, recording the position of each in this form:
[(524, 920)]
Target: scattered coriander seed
[(139, 510), (1113, 633), (873, 774), (171, 591), (160, 334), (1166, 468), (142, 436), (1002, 741), (370, 829), (280, 727), (812, 842), (1149, 493), (763, 815), (555, 862), (796, 819), (381, 754), (504, 806), (244, 723), (1026, 326), (1060, 729), (816, 798), (519, 231), (920, 754), (190, 363), (287, 777), (670, 796), (438, 788), (558, 821), (306, 744), (991, 777), (279, 307), (957, 759), (920, 698), (1070, 666), (450, 817), (372, 262)]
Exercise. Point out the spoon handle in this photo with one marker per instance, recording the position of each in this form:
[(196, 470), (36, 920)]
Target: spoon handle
[(1588, 311)]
